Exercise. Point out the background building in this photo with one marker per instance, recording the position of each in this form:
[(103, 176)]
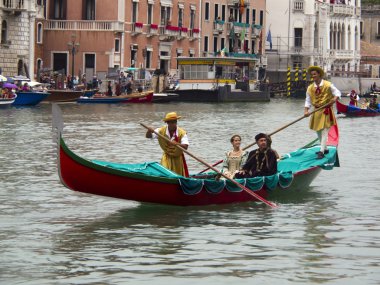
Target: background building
[(94, 37), (370, 36), (236, 27), (311, 32), (18, 36)]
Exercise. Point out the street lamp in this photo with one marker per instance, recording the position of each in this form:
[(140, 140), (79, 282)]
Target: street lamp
[(73, 49)]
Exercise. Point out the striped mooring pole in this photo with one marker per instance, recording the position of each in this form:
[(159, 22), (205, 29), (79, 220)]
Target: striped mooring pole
[(296, 74), (288, 81)]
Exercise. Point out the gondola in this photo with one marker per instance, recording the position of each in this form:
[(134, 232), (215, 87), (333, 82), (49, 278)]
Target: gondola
[(151, 182), (352, 111)]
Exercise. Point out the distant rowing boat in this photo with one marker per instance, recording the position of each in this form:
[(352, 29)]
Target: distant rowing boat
[(353, 111)]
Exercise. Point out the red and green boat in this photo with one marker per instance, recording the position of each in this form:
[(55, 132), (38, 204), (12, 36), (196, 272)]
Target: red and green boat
[(151, 182), (352, 111)]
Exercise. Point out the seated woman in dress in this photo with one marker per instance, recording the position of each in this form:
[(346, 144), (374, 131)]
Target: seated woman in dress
[(235, 158)]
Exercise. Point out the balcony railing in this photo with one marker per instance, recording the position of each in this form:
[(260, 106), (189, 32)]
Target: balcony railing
[(183, 33), (237, 3), (341, 54), (13, 5), (256, 29), (84, 25), (298, 5), (194, 34), (340, 9), (218, 26), (152, 30), (137, 28)]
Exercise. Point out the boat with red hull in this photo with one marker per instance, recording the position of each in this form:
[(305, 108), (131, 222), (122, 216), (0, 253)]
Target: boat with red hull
[(151, 182), (352, 111)]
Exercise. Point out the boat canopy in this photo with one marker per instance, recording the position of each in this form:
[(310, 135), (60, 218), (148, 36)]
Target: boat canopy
[(290, 164)]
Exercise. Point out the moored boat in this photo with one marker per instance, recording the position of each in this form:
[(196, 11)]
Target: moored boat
[(63, 95), (151, 182), (7, 102), (353, 111), (30, 98), (141, 97)]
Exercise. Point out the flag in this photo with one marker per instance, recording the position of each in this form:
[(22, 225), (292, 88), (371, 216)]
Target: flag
[(242, 34), (241, 7), (269, 39)]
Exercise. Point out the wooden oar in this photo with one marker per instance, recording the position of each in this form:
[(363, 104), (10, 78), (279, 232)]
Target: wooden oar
[(276, 131), (250, 192)]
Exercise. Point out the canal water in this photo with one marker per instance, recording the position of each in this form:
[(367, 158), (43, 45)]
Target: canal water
[(330, 234)]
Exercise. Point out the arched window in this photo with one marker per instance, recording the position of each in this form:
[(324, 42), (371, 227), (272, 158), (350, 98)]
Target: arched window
[(316, 36), (4, 32), (349, 37), (356, 38), (39, 33), (20, 66), (39, 66), (331, 36)]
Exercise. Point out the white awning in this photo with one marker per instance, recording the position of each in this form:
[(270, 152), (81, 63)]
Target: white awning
[(166, 3)]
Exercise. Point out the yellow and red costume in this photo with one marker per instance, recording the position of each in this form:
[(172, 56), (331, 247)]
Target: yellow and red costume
[(321, 95), (173, 158)]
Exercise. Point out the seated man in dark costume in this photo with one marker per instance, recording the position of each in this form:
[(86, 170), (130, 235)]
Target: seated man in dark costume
[(261, 161)]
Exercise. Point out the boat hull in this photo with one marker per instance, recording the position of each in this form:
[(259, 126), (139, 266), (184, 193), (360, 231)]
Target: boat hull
[(133, 98), (63, 96), (30, 98), (351, 111), (5, 103)]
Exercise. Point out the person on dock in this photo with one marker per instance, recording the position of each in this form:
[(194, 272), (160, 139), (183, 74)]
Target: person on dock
[(261, 161), (373, 103), (173, 158), (354, 98), (235, 158), (318, 94)]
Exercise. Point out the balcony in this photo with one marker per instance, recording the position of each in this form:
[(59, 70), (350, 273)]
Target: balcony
[(183, 33), (341, 54), (342, 10), (168, 33), (298, 6), (218, 27), (194, 34), (152, 30), (256, 30), (59, 25), (236, 3), (237, 27), (13, 6), (137, 28)]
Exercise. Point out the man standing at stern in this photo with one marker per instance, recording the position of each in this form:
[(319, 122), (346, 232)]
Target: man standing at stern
[(318, 94), (173, 158)]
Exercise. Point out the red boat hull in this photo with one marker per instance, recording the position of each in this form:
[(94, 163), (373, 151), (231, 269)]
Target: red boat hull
[(342, 108), (82, 175)]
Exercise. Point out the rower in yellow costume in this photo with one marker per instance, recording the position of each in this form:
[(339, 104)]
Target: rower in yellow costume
[(319, 93), (173, 158)]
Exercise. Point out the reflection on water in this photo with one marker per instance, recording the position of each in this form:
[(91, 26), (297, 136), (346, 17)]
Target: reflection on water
[(328, 233)]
